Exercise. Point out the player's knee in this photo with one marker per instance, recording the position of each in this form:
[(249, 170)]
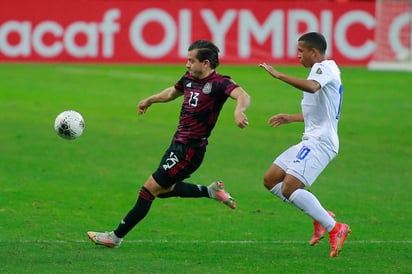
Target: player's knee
[(288, 189), (269, 182), (286, 193), (273, 176)]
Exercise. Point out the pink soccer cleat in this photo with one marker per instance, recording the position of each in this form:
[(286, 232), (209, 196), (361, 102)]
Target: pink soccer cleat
[(337, 238), (319, 231), (216, 191)]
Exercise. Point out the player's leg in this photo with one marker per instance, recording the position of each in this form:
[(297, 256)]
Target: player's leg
[(134, 216), (159, 182), (293, 190), (309, 162), (273, 181), (185, 190), (319, 230), (188, 190), (303, 163), (178, 162), (146, 196), (181, 165), (282, 185), (309, 204), (275, 174)]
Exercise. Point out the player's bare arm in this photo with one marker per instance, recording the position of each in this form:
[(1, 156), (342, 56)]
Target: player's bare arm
[(243, 101), (166, 95), (282, 118), (302, 84)]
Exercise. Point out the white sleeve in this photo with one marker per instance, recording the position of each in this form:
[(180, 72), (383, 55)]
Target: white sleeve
[(320, 74)]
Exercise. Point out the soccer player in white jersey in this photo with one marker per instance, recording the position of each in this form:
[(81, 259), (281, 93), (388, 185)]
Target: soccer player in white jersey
[(300, 165)]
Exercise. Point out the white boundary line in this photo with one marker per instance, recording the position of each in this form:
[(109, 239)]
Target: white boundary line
[(240, 242)]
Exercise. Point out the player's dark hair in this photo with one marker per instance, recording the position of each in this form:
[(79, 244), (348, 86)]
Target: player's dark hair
[(314, 40), (206, 50)]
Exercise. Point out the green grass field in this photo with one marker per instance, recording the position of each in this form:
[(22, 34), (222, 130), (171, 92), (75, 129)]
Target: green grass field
[(52, 190)]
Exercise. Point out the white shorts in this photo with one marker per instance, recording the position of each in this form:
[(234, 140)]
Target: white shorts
[(306, 160)]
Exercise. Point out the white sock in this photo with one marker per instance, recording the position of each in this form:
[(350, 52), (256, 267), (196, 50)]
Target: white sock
[(277, 190), (309, 204)]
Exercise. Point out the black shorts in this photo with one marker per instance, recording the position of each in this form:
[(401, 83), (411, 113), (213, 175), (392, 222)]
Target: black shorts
[(178, 163)]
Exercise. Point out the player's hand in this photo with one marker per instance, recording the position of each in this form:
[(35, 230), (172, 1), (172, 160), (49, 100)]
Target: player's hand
[(270, 69), (143, 106), (279, 119), (241, 120)]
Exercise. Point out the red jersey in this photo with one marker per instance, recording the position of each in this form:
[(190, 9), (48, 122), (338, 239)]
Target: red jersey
[(203, 100)]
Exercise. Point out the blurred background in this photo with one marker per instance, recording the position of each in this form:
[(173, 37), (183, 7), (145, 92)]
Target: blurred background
[(369, 33)]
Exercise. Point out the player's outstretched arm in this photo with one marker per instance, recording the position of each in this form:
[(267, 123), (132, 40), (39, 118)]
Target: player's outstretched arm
[(302, 84), (243, 102), (271, 70), (282, 118), (166, 95)]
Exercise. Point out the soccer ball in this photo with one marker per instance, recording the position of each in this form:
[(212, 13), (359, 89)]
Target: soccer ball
[(69, 124)]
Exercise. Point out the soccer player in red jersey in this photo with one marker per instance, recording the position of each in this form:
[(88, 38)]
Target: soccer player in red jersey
[(204, 93)]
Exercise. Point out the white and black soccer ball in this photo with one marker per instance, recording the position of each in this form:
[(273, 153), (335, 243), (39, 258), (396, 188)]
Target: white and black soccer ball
[(69, 124)]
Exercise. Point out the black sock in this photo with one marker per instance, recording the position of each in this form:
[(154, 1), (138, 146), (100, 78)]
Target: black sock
[(186, 190), (136, 214)]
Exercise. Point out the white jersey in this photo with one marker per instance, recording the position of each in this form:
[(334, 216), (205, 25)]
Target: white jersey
[(321, 109)]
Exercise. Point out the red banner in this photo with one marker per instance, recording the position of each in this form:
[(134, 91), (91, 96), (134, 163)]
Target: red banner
[(124, 31)]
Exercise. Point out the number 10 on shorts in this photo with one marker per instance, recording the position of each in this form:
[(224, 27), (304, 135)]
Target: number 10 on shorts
[(303, 152)]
